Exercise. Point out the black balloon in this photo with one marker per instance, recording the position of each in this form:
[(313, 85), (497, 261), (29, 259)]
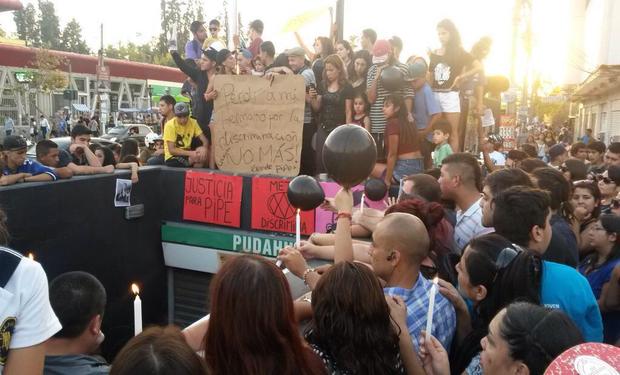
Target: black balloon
[(497, 84), (375, 189), (305, 193), (392, 78), (349, 155)]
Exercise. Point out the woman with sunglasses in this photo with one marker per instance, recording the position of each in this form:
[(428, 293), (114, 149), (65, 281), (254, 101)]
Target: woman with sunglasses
[(586, 201), (609, 185), (492, 273), (597, 267)]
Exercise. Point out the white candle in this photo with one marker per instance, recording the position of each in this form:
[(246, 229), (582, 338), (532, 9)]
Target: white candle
[(362, 203), (431, 308), (31, 256), (297, 229), (137, 310)]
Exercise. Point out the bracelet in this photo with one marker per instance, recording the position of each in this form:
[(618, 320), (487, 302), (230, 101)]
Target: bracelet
[(305, 275), (344, 214)]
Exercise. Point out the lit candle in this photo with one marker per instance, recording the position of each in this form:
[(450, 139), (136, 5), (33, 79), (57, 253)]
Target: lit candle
[(137, 310), (297, 229), (362, 203), (31, 256), (431, 308)]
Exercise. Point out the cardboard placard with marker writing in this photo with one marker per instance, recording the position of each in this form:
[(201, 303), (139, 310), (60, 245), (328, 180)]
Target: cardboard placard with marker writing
[(258, 124)]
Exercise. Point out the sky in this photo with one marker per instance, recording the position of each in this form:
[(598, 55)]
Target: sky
[(413, 20)]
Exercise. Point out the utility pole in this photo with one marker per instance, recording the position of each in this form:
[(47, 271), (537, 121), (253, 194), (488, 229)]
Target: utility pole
[(516, 19), (340, 20)]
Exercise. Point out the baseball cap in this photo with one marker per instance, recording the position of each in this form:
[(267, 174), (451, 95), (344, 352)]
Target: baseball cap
[(416, 69), (14, 143), (181, 109), (210, 53), (222, 55), (246, 53), (295, 51), (381, 51), (556, 150)]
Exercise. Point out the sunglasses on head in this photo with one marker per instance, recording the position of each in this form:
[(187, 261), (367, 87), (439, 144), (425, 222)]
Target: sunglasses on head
[(606, 180), (505, 257), (429, 272)]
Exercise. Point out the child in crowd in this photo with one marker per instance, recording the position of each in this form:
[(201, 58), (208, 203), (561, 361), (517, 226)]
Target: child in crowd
[(16, 168), (258, 68), (441, 139), (360, 111)]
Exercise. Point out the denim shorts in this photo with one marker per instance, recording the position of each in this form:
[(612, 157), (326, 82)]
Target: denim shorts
[(407, 167)]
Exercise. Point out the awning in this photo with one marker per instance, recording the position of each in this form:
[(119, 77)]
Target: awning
[(81, 107), (600, 82)]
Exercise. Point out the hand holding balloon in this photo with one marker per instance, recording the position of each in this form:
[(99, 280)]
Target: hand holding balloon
[(344, 201)]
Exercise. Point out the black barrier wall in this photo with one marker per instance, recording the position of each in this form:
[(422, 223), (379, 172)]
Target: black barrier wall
[(73, 225)]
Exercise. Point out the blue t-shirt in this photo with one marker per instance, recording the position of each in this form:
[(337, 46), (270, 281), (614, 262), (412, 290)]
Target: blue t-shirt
[(562, 287), (32, 167), (424, 106), (597, 278)]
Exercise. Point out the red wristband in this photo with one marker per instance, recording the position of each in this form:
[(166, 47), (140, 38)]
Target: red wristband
[(343, 214)]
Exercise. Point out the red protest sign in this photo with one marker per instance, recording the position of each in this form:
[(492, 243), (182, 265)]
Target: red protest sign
[(213, 198), (271, 210)]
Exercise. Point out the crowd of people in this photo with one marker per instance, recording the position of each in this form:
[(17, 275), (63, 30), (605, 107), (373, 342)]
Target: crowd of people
[(523, 247)]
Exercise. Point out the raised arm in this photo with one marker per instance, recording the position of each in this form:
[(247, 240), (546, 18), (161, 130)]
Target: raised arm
[(311, 55), (190, 71), (343, 244)]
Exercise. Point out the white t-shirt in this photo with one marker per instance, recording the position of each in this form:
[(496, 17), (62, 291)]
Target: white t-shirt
[(26, 316)]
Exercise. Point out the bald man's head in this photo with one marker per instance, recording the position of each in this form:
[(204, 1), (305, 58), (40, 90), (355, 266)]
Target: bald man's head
[(405, 233)]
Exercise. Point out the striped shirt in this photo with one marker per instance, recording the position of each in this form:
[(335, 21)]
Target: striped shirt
[(469, 225), (377, 119), (417, 301)]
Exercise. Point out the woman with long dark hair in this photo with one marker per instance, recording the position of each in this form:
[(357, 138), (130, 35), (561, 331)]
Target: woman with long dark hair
[(345, 52), (597, 267), (586, 200), (492, 273), (333, 102), (361, 63), (252, 328), (351, 329), (402, 144), (448, 71)]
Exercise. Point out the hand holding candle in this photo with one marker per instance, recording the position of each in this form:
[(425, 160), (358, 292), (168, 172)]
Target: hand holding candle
[(362, 203), (297, 228), (431, 308), (137, 310)]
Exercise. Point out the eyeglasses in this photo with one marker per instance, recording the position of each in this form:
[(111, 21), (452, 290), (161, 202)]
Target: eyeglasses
[(505, 257), (213, 29)]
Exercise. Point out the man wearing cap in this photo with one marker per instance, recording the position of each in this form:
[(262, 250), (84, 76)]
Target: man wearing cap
[(193, 48), (179, 134), (201, 75), (297, 64), (426, 109), (244, 59), (16, 168), (382, 58), (557, 155)]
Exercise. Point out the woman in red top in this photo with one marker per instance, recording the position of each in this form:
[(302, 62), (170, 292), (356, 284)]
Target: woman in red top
[(402, 144)]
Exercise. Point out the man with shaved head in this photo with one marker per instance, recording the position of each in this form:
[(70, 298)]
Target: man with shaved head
[(399, 245)]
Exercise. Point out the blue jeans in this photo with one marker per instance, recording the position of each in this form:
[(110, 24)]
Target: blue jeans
[(8, 132), (407, 167)]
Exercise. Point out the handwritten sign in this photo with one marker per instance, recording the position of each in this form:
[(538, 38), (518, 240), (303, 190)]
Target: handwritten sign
[(258, 124), (212, 198), (271, 210), (325, 221)]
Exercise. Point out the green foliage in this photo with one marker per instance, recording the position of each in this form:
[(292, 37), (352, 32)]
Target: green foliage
[(71, 39), (50, 27), (2, 33), (47, 75), (27, 24), (172, 14)]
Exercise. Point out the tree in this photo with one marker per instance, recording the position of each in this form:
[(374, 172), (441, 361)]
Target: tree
[(27, 25), (50, 27), (71, 40), (2, 33), (47, 75)]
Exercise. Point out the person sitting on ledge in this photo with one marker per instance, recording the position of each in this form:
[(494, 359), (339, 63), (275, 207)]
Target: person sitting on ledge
[(16, 168), (178, 136), (48, 154)]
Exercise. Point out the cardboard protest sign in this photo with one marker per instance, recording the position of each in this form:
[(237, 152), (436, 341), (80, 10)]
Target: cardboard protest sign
[(258, 124), (271, 209), (325, 221), (213, 198)]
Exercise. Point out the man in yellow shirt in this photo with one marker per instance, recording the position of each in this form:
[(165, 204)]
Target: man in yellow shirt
[(178, 136), (214, 29)]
